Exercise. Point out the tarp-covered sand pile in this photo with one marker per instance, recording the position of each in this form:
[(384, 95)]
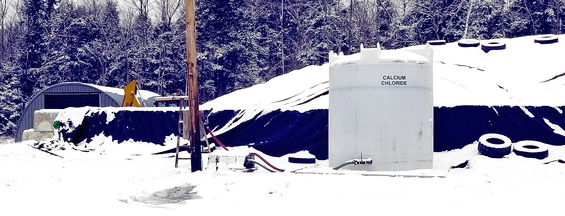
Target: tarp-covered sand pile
[(508, 86)]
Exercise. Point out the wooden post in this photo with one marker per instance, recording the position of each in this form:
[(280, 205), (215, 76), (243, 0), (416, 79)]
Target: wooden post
[(192, 82), (179, 130)]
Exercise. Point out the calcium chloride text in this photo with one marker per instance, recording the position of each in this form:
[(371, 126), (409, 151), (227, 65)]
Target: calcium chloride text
[(396, 80)]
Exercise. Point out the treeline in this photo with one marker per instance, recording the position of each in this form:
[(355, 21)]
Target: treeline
[(240, 42)]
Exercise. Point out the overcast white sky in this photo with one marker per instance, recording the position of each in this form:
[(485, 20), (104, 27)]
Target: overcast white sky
[(124, 6)]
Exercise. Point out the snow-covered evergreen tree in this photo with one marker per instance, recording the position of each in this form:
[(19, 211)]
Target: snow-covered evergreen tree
[(223, 54), (538, 17), (142, 58), (73, 47), (436, 20), (108, 46), (32, 47), (10, 100), (169, 75)]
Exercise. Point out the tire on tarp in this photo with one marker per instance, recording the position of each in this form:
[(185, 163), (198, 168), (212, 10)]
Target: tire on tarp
[(494, 145), (531, 149), (468, 43), (546, 39), (436, 42), (493, 45), (302, 157)]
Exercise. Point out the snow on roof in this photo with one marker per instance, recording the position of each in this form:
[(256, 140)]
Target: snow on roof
[(120, 91), (525, 73), (143, 96)]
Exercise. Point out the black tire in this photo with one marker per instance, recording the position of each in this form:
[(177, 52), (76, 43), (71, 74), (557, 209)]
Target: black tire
[(437, 42), (468, 43), (493, 45), (300, 160), (546, 39), (494, 145), (531, 149)]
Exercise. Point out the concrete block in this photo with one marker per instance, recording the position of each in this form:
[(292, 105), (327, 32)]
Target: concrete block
[(226, 160), (36, 135), (43, 119)]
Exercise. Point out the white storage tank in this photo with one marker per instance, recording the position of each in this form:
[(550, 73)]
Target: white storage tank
[(381, 108)]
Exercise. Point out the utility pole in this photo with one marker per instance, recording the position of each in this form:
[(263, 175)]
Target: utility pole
[(192, 86)]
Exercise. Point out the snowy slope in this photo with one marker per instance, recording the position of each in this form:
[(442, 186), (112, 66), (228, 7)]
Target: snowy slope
[(523, 74), (286, 92)]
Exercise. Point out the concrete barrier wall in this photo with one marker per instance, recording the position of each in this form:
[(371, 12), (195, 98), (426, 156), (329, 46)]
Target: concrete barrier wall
[(42, 125)]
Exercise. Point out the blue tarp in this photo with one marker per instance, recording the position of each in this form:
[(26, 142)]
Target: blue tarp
[(141, 126), (278, 133), (455, 127)]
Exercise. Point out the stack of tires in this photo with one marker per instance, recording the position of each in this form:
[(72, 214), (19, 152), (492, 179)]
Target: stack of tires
[(497, 146)]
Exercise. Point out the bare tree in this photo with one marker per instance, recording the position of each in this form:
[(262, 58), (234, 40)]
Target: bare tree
[(142, 6), (369, 20), (167, 9), (469, 9), (4, 9), (127, 19), (403, 6), (95, 7), (557, 7)]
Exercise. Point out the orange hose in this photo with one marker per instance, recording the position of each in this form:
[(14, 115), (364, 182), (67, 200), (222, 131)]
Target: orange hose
[(263, 159), (217, 140)]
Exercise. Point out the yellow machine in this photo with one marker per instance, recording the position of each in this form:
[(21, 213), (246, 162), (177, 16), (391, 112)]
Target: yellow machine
[(130, 98)]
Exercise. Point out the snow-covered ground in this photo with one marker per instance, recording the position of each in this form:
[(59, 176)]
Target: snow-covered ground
[(125, 179)]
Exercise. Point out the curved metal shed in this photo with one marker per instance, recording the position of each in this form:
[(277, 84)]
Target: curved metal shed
[(73, 94)]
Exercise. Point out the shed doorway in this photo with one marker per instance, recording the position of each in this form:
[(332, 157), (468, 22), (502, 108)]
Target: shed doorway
[(61, 101)]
